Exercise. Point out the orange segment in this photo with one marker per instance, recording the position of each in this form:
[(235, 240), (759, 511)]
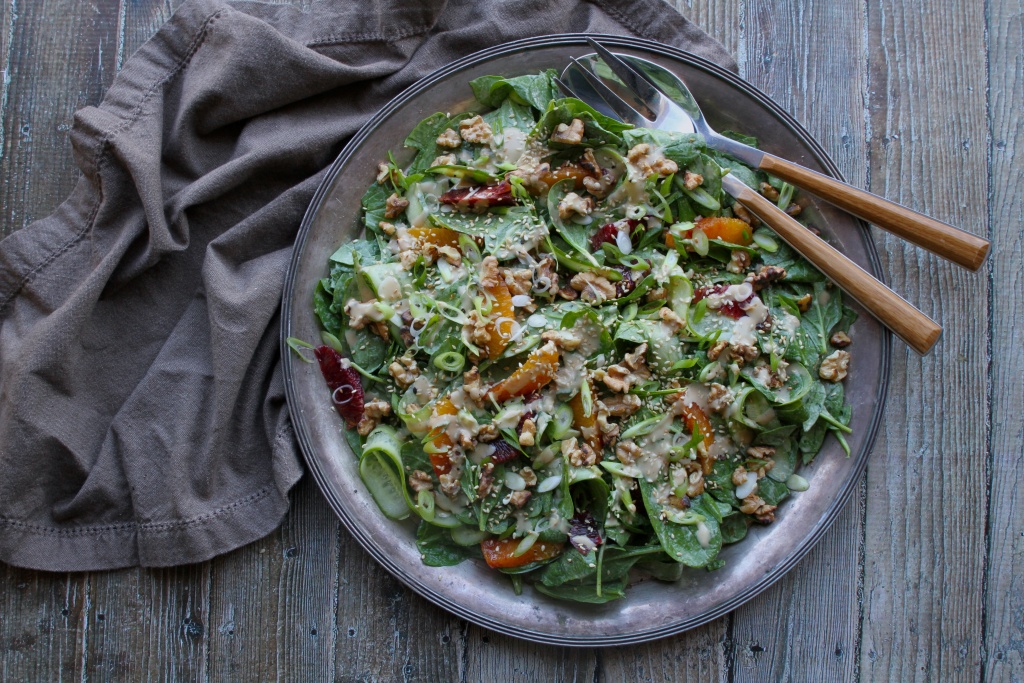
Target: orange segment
[(731, 230), (439, 439), (439, 237), (502, 317), (577, 174), (498, 552), (586, 424), (539, 369)]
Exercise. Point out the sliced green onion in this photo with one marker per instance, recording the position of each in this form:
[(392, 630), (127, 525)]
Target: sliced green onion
[(699, 310), (699, 241), (299, 347), (636, 212), (332, 341), (525, 544), (785, 196), (797, 483), (641, 428), (586, 399), (425, 503), (450, 361), (561, 422), (468, 536), (764, 239)]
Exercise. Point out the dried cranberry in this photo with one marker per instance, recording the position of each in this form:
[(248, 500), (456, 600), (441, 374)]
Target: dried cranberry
[(480, 198), (582, 525), (344, 383), (608, 234), (733, 309), (503, 452)]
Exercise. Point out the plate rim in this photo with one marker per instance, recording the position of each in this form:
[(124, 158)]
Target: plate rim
[(396, 569)]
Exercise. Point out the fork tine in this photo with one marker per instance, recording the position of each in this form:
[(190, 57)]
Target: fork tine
[(642, 86), (621, 108), (566, 90)]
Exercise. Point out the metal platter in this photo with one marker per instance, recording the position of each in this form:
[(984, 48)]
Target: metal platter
[(651, 609)]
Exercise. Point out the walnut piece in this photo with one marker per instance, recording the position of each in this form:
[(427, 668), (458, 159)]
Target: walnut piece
[(474, 388), (803, 304), (372, 414), (574, 205), (741, 212), (563, 339), (545, 276), (769, 192), (490, 275), (486, 484), (420, 481), (444, 160), (449, 138), (623, 376), (835, 366), (840, 340), (568, 134), (691, 181), (593, 288), (387, 228), (755, 505), (578, 453), (518, 280), (529, 476), (404, 370), (651, 162), (716, 350), (620, 405), (739, 261), (394, 206), (627, 452), (528, 432), (383, 172), (670, 318), (766, 276), (476, 130), (761, 452), (719, 398), (739, 476), (518, 499)]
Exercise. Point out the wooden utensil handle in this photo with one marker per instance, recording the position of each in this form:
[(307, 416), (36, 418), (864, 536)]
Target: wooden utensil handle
[(950, 243), (909, 324)]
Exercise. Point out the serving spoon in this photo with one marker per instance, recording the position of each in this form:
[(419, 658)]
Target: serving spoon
[(650, 83), (649, 108)]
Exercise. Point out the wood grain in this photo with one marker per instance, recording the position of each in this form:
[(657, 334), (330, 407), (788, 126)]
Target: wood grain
[(925, 546), (1004, 578)]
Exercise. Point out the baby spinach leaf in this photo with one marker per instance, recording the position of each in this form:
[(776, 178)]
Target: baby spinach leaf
[(680, 541), (771, 492), (734, 529), (437, 547), (495, 228), (682, 148), (374, 204), (536, 90), (585, 592), (598, 130)]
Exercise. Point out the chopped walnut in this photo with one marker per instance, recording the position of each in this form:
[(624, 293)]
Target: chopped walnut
[(627, 374), (529, 476), (716, 350), (574, 205), (420, 481), (593, 288), (739, 261), (691, 181), (450, 485), (803, 304), (578, 453), (696, 484), (650, 162), (765, 276), (600, 181), (743, 352), (383, 172), (769, 192), (608, 431), (761, 452), (518, 499), (568, 134), (395, 205), (476, 130), (719, 398), (487, 433), (444, 160), (486, 484), (404, 370), (477, 328), (627, 452), (620, 405), (490, 275), (518, 280), (794, 209), (840, 340), (372, 414), (670, 318), (755, 505), (473, 387), (387, 228), (739, 476), (450, 254), (568, 293), (835, 366), (744, 215), (449, 138), (528, 432), (563, 339)]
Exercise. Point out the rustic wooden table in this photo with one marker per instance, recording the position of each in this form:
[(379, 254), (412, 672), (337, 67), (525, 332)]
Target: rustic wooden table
[(922, 576)]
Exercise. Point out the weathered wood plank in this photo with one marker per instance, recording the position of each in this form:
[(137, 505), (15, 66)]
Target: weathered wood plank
[(147, 625), (273, 601), (807, 626), (926, 481), (723, 21), (494, 657), (1004, 600), (61, 59), (42, 625), (697, 655)]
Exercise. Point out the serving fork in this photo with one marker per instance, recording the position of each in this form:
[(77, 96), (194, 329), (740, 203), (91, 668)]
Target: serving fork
[(658, 99)]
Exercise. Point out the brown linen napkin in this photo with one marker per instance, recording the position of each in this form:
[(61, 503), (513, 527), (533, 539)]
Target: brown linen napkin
[(142, 411)]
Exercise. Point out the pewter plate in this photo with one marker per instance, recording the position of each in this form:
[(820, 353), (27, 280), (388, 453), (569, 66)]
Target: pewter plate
[(651, 609)]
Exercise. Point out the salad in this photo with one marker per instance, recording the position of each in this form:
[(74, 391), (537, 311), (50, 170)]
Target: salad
[(563, 350)]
